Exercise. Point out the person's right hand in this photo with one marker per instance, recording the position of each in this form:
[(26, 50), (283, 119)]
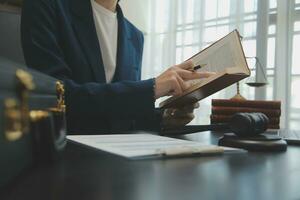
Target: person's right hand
[(173, 80)]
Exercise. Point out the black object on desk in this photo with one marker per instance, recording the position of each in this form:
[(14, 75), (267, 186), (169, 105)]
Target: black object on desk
[(248, 129), (242, 124), (254, 143), (246, 133), (292, 137)]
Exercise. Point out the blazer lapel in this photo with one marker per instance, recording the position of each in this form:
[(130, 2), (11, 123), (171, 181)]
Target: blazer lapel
[(124, 60), (84, 26)]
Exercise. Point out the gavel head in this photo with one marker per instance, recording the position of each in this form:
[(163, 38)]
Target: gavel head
[(249, 124)]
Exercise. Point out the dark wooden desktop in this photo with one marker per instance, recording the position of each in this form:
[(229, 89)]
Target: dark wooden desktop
[(89, 174)]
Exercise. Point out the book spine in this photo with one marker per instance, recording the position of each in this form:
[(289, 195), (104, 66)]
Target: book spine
[(247, 103), (233, 110), (227, 118), (270, 125)]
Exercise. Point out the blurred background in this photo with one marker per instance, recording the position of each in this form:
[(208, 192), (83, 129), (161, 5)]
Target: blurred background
[(175, 30)]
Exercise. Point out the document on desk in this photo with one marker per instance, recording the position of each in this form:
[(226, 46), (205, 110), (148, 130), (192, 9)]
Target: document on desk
[(143, 146)]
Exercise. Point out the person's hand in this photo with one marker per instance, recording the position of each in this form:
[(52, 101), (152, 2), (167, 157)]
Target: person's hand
[(178, 117), (173, 80)]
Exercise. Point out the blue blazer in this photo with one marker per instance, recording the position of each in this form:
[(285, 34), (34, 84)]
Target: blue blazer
[(59, 38)]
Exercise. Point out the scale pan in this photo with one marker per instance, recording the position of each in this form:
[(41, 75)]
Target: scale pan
[(256, 84)]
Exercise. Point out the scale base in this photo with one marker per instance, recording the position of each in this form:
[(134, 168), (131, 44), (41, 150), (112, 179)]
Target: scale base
[(257, 143)]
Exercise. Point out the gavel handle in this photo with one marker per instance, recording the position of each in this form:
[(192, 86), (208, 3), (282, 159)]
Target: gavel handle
[(195, 128)]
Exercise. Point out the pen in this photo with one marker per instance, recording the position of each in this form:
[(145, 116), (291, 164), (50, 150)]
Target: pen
[(198, 67)]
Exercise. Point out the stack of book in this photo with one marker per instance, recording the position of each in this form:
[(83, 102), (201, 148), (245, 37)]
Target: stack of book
[(224, 109)]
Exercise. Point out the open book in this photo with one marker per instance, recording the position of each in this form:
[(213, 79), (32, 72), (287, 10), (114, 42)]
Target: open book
[(225, 57)]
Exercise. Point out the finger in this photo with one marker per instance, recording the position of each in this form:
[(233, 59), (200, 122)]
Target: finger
[(176, 122), (169, 111), (187, 65), (183, 114), (187, 108), (190, 75), (196, 105), (178, 113), (176, 88), (182, 83), (190, 108)]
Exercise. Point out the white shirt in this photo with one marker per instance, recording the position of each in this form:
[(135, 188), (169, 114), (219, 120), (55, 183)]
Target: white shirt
[(106, 23)]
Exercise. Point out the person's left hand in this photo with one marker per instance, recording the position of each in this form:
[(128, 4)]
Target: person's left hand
[(178, 117)]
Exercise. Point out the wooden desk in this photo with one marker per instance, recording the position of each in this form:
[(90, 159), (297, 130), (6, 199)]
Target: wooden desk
[(87, 174)]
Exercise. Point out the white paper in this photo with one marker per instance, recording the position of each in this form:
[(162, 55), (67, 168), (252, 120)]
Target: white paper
[(146, 145)]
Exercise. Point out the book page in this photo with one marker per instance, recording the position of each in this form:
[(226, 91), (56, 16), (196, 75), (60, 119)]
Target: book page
[(146, 145), (217, 61), (226, 58), (223, 56)]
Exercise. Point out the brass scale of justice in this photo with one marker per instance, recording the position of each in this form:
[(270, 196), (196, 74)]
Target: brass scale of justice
[(255, 83), (260, 142)]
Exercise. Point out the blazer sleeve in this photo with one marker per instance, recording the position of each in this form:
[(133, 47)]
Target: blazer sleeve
[(153, 122), (123, 100)]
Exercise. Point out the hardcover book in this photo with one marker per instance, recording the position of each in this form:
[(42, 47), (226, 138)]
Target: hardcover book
[(246, 103), (223, 109), (226, 118), (220, 110), (226, 58)]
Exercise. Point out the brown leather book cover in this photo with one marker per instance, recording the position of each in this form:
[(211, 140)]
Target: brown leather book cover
[(246, 103), (217, 110), (194, 95), (272, 125), (226, 58), (227, 118)]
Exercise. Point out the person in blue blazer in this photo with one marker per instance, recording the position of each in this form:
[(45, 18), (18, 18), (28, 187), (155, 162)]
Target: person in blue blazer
[(97, 52)]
